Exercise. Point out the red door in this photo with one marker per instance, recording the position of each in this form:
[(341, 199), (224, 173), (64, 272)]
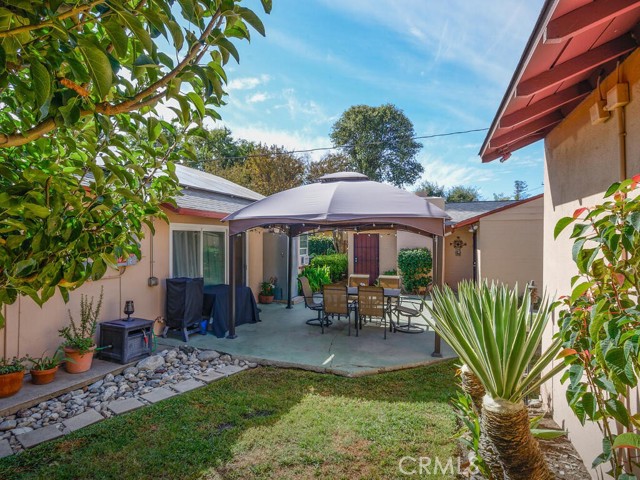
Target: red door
[(366, 255)]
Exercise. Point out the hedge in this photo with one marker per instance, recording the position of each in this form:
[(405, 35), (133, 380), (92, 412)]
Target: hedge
[(337, 262), (320, 245), (415, 266)]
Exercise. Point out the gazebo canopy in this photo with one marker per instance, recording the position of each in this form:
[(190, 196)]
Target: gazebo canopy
[(341, 200)]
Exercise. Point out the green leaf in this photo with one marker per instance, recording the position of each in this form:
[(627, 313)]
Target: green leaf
[(627, 440), (617, 410), (41, 80), (634, 220), (176, 34), (137, 28), (118, 36), (267, 5), (579, 290), (145, 60), (24, 268), (224, 43), (98, 66), (547, 433), (252, 19), (561, 225), (612, 189), (3, 63)]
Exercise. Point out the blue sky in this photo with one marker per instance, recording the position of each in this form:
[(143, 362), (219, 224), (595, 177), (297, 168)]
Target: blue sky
[(446, 64)]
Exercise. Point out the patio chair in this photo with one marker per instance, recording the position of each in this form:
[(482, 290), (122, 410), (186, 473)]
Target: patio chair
[(389, 281), (409, 308), (336, 302), (310, 302), (359, 280), (372, 303)]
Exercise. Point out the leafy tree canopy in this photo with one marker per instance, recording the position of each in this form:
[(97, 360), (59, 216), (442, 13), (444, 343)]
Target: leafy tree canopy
[(379, 142), (431, 189), (520, 190), (330, 163), (462, 193), (85, 160)]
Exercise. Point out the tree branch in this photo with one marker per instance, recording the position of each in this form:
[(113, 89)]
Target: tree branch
[(51, 22)]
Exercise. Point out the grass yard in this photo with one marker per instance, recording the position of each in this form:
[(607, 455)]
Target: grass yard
[(266, 423)]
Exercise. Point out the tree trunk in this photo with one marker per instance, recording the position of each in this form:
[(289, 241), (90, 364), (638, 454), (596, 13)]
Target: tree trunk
[(507, 426), (472, 386)]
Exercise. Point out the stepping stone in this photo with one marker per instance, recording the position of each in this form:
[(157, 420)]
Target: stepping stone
[(158, 394), (230, 369), (124, 405), (35, 437), (83, 420), (210, 377), (5, 449), (187, 385)]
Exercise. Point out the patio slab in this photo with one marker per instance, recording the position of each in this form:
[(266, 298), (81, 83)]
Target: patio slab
[(210, 377), (124, 405), (187, 385), (83, 420), (158, 394), (5, 449), (36, 437), (283, 339)]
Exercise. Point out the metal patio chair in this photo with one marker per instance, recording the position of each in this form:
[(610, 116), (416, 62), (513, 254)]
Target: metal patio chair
[(336, 302), (372, 303), (310, 302)]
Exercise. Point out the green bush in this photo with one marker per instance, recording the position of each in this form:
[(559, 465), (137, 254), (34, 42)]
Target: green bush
[(317, 276), (321, 245), (415, 266), (337, 263)]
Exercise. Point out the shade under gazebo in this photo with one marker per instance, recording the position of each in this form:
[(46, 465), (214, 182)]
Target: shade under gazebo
[(345, 200)]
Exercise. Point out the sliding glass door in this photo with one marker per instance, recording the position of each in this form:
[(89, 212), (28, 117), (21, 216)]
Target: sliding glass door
[(199, 251)]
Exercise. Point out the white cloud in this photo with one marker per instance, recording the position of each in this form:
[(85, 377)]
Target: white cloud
[(449, 174), (247, 83), (257, 97)]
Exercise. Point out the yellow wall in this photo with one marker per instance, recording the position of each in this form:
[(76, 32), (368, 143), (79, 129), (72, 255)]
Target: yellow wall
[(31, 330), (581, 161), (510, 245)]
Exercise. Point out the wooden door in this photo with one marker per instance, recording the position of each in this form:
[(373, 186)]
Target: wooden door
[(366, 255)]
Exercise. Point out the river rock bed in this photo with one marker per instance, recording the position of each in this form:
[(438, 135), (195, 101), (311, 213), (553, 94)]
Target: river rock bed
[(164, 368)]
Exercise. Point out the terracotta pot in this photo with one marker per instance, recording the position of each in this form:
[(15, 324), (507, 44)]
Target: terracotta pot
[(265, 298), (78, 363), (42, 377), (11, 383)]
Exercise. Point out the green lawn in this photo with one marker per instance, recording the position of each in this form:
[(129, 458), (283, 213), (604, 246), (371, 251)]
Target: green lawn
[(264, 423)]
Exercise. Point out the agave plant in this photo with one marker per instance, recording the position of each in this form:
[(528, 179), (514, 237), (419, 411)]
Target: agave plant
[(497, 338)]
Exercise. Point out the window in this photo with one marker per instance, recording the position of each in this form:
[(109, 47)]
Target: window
[(304, 245), (199, 251)]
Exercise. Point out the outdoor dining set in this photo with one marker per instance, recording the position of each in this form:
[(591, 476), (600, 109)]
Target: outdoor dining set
[(382, 301)]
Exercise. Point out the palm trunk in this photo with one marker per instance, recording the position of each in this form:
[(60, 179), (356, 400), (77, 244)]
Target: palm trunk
[(472, 386), (507, 426)]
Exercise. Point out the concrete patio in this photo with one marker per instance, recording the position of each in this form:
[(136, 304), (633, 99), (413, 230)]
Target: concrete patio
[(283, 339)]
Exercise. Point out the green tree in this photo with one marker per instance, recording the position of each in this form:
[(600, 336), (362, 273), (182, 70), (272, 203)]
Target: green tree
[(520, 190), (330, 163), (85, 160), (217, 147), (500, 197), (271, 169), (431, 189), (380, 143), (462, 193)]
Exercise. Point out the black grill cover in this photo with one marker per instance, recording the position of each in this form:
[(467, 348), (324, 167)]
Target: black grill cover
[(184, 302)]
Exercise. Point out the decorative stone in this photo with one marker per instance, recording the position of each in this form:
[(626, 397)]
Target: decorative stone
[(8, 425), (208, 355), (108, 393), (151, 363), (21, 430), (5, 448)]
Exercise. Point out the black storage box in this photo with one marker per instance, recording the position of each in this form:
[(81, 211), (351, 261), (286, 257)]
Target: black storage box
[(125, 341)]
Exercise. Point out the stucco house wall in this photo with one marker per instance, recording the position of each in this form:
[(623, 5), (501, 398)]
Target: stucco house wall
[(458, 267), (510, 245), (581, 162)]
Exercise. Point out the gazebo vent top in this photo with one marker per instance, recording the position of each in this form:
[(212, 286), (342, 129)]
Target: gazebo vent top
[(343, 177)]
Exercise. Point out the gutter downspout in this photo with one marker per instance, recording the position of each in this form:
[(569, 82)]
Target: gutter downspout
[(622, 142)]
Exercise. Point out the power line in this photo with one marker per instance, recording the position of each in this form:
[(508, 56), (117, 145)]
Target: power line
[(317, 149)]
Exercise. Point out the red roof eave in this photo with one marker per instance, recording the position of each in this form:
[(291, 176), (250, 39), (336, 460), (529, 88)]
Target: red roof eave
[(195, 212)]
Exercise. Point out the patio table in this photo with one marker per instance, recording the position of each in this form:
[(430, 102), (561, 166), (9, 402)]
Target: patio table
[(390, 293), (216, 307)]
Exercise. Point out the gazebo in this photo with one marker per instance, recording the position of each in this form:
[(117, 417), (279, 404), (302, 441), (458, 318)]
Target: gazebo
[(345, 200)]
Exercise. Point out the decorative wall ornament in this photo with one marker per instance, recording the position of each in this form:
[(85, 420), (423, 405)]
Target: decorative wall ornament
[(457, 244)]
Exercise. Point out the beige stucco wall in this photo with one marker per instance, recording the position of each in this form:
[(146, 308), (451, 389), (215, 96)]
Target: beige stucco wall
[(581, 161), (32, 330), (510, 245), (458, 268)]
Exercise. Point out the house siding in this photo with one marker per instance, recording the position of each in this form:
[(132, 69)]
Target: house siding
[(581, 162)]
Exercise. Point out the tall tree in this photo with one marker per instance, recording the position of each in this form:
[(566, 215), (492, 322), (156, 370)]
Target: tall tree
[(85, 160), (380, 143), (330, 163), (270, 170), (218, 146), (500, 197), (462, 193), (431, 189), (520, 190)]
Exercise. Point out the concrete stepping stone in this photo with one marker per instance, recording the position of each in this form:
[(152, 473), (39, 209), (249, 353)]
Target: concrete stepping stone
[(83, 420), (36, 437), (124, 405), (187, 385), (158, 394), (210, 377), (5, 448), (230, 369)]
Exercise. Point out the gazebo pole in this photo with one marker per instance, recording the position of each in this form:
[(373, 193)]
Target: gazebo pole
[(439, 281), (289, 271), (231, 321)]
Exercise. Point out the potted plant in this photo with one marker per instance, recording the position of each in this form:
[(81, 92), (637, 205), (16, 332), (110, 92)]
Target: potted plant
[(43, 369), (11, 376), (266, 292), (79, 344)]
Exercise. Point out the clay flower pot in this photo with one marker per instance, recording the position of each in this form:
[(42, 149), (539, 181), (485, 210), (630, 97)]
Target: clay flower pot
[(11, 383), (42, 377), (265, 298), (76, 362)]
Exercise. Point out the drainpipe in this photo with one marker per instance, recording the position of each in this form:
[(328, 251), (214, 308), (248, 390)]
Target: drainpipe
[(622, 142), (474, 231)]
